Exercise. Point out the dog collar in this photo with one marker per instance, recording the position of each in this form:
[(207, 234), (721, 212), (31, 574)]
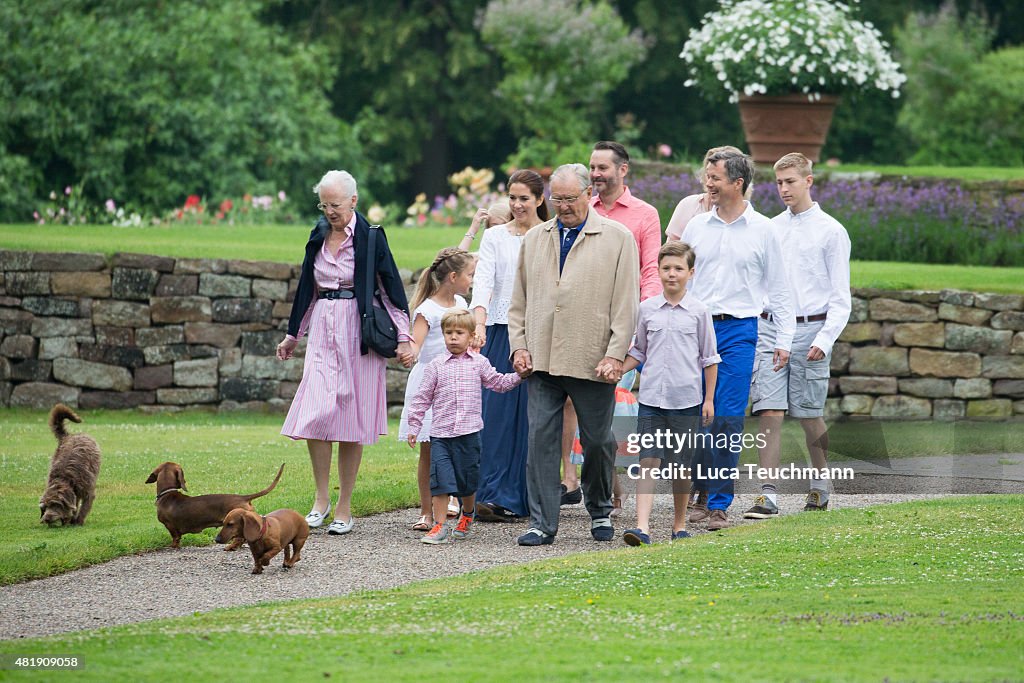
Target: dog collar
[(263, 530), (164, 493)]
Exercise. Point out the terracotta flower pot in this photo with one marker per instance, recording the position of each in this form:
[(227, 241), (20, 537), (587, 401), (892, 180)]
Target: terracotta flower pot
[(775, 126)]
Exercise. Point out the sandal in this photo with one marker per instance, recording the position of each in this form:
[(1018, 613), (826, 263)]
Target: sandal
[(453, 507), (424, 523)]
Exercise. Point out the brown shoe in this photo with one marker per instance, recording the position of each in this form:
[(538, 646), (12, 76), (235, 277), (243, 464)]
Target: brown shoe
[(718, 520), (698, 508), (816, 501)]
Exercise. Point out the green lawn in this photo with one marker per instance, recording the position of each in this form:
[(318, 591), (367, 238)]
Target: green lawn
[(415, 248), (921, 591), (954, 172), (236, 453)]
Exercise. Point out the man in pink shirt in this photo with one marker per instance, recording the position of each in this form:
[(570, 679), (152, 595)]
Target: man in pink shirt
[(609, 164), (451, 386)]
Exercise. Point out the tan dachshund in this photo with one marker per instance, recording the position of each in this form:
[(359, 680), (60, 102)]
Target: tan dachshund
[(183, 514), (266, 536), (71, 486)]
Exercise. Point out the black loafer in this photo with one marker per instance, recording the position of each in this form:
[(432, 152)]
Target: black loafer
[(571, 497), (489, 512), (536, 537)]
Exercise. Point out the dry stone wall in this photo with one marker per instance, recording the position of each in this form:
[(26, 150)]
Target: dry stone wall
[(148, 331), (163, 333)]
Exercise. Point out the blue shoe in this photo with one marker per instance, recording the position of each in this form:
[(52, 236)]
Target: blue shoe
[(536, 537), (677, 535), (636, 537), (601, 529)]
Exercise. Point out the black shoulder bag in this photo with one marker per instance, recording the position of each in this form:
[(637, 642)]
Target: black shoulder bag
[(378, 329)]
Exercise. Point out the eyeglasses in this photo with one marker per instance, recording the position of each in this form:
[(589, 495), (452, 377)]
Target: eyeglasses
[(564, 201), (333, 205)]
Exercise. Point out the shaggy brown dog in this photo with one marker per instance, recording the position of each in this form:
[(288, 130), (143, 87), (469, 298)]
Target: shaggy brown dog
[(266, 536), (183, 514), (71, 488)]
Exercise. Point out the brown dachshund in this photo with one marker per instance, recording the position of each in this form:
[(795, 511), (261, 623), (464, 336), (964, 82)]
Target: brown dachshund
[(266, 536), (183, 514)]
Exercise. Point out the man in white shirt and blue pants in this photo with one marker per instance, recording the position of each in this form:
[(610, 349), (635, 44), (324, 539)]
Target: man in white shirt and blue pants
[(816, 249), (740, 265)]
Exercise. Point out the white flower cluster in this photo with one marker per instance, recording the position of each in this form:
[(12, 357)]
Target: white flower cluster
[(779, 47)]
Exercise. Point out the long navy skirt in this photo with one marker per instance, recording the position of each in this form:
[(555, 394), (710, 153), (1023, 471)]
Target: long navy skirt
[(505, 433)]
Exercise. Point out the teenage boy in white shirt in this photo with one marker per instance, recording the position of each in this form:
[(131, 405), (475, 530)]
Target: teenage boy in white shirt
[(816, 252)]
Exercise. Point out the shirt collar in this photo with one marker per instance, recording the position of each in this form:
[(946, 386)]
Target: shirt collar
[(745, 216), (685, 302), (448, 355), (626, 199), (558, 224), (803, 214)]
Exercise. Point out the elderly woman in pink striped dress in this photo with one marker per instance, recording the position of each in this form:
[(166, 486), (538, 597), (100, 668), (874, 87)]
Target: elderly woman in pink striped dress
[(341, 398)]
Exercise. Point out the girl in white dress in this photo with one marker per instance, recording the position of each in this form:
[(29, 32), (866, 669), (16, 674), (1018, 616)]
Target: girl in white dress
[(441, 286)]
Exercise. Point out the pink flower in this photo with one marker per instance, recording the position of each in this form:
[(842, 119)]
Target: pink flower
[(281, 196), (67, 190), (35, 215), (664, 150), (225, 206), (111, 207)]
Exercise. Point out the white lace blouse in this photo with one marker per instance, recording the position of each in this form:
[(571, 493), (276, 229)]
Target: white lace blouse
[(495, 272)]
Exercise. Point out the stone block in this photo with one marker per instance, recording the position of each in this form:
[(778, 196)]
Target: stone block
[(224, 285), (927, 387), (81, 284), (115, 336), (901, 311), (15, 260), (133, 283), (975, 387), (116, 400), (162, 264), (263, 269), (214, 334), (903, 407), (160, 336), (5, 370), (154, 377), (79, 328), (956, 297), (122, 356), (1018, 407), (1008, 320), (67, 308), (1017, 345), (395, 381), (888, 332), (268, 367), (287, 390), (31, 370), (196, 373), (82, 373), (856, 404), (261, 343), (281, 310), (112, 312), (247, 389), (861, 332), (874, 360), (275, 290), (184, 397), (944, 363), (920, 334), (867, 385), (949, 409), (233, 310), (977, 339), (27, 284), (68, 261), (198, 266), (57, 347), (1014, 388), (230, 362), (159, 355), (18, 346), (993, 407), (180, 309), (999, 302), (1003, 367), (203, 351), (44, 395), (965, 315), (15, 321), (840, 358), (177, 285)]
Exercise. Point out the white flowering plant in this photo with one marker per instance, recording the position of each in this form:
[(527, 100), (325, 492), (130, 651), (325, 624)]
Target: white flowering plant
[(782, 47)]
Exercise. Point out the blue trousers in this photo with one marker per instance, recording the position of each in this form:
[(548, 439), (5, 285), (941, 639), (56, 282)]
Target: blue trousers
[(737, 341)]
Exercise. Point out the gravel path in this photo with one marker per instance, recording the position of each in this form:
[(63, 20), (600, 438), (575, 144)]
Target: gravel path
[(381, 552)]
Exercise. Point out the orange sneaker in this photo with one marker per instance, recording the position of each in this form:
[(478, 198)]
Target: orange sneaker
[(438, 535), (462, 528)]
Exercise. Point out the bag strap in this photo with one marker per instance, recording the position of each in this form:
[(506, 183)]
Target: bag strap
[(371, 268)]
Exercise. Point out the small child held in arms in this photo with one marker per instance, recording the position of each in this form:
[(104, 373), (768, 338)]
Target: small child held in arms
[(675, 339), (451, 387)]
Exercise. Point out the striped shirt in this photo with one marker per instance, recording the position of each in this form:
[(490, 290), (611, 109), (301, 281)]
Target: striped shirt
[(451, 386)]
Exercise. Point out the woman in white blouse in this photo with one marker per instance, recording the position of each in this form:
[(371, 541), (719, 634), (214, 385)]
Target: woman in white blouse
[(502, 489)]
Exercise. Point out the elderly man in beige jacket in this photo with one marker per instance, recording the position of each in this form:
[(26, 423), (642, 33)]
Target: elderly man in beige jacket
[(573, 313)]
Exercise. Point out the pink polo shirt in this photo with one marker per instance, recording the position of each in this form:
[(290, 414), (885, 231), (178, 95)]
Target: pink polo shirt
[(642, 220)]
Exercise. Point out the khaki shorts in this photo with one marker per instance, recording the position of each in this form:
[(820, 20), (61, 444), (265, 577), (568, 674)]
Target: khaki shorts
[(801, 386)]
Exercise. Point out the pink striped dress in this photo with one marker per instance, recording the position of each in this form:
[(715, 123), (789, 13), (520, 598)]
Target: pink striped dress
[(342, 395)]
